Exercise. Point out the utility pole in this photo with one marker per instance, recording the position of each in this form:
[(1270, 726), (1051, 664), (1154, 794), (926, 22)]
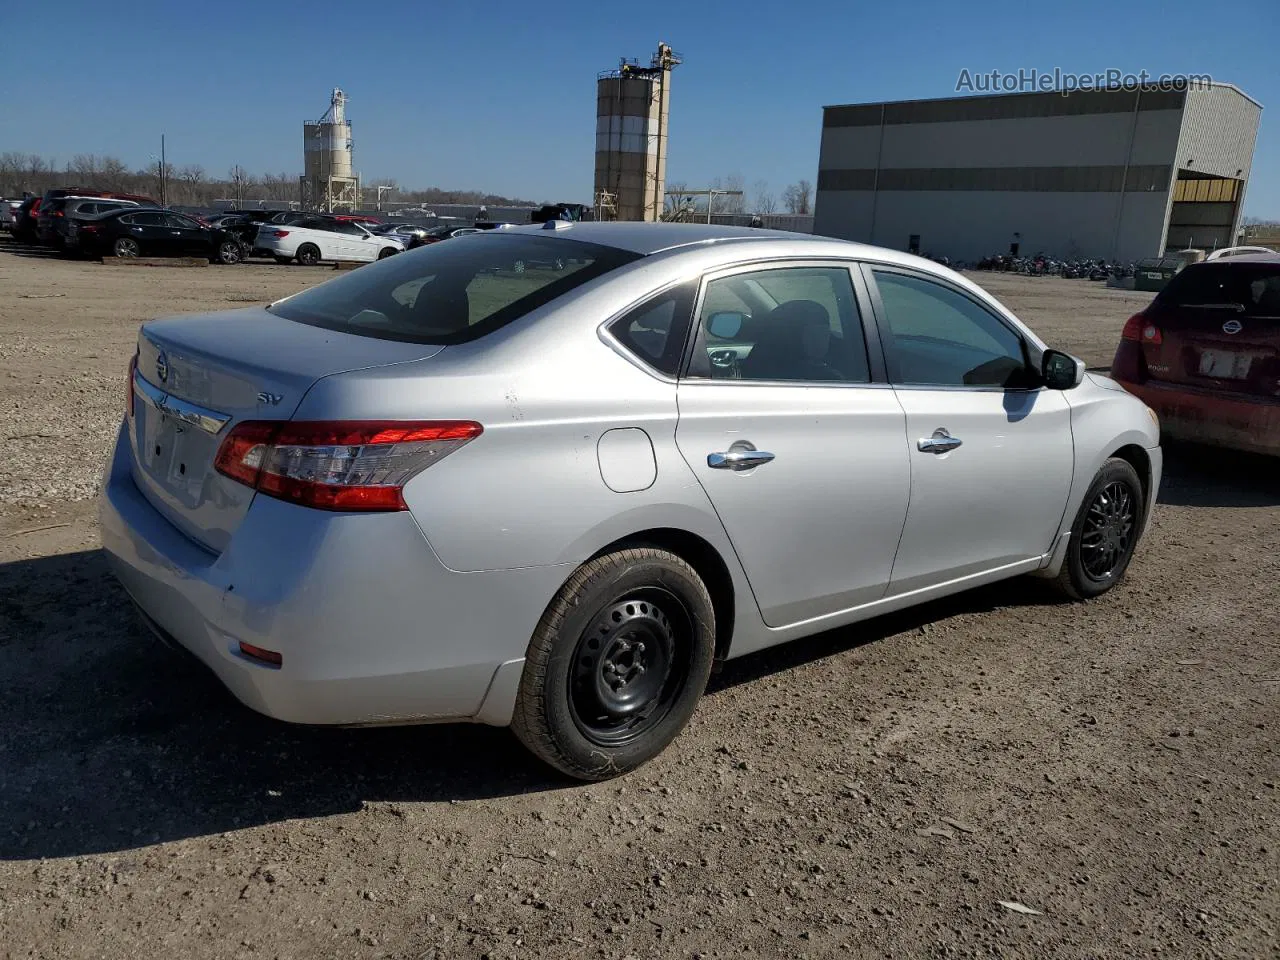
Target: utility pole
[(164, 174)]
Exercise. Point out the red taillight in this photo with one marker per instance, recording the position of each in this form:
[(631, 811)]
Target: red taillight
[(133, 367), (261, 654), (339, 465), (279, 233), (57, 213), (1141, 330), (88, 228)]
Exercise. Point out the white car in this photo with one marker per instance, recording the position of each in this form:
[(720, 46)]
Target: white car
[(323, 238)]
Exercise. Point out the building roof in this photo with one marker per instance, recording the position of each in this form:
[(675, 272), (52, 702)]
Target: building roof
[(1017, 94)]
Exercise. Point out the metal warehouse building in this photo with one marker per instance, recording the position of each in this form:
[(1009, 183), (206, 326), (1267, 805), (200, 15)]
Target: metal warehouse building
[(1119, 174)]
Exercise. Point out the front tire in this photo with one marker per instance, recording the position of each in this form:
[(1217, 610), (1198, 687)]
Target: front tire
[(617, 664), (387, 252), (1105, 532), (229, 252), (308, 254)]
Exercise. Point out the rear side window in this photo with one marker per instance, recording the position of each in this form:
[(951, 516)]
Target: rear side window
[(452, 292), (655, 331), (1248, 289)]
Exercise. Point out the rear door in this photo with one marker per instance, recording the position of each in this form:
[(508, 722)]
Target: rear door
[(991, 449), (1217, 326), (151, 229), (802, 455)]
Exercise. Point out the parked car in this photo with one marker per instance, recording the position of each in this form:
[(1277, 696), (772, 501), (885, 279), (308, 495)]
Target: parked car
[(53, 209), (404, 232), (244, 227), (23, 227), (427, 490), (8, 209), (83, 208), (431, 235), (313, 239), (148, 232), (1205, 353)]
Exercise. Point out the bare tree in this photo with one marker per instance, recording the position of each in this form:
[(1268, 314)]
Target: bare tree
[(797, 197), (86, 168), (239, 178), (729, 203), (114, 173), (764, 201), (192, 175)]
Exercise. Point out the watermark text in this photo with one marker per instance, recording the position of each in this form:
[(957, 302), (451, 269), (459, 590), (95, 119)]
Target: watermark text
[(1057, 80)]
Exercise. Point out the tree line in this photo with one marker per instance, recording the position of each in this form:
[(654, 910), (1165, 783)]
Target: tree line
[(192, 185), (796, 198)]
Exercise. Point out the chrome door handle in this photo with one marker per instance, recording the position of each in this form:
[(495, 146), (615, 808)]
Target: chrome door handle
[(940, 442), (739, 459)]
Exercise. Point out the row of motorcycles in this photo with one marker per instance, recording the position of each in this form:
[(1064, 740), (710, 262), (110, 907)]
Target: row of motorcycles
[(1042, 266)]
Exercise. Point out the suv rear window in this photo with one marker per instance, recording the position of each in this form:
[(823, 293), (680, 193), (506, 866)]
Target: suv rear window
[(1250, 289), (452, 292)]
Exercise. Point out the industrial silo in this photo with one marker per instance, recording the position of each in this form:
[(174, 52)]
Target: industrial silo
[(328, 182), (632, 107)]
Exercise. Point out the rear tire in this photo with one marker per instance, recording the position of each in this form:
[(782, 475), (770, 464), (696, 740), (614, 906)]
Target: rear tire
[(308, 254), (617, 664), (126, 247), (1104, 533)]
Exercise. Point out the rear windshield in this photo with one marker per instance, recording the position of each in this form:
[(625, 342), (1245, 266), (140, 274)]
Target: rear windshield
[(1249, 289), (455, 291)]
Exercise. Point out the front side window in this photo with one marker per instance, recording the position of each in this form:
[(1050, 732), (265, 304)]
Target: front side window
[(452, 292), (936, 336), (787, 323)]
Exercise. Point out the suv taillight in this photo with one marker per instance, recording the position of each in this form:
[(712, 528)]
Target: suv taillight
[(1141, 330), (339, 465)]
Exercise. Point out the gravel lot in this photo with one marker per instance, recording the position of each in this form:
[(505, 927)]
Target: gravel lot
[(872, 792)]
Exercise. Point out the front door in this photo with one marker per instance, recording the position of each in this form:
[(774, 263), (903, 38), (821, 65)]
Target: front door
[(990, 447), (190, 239), (800, 454)]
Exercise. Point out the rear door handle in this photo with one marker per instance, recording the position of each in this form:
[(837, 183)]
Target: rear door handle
[(739, 459), (940, 442)]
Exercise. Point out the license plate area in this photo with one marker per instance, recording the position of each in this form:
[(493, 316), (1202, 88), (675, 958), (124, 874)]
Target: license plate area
[(174, 455), (1225, 364)]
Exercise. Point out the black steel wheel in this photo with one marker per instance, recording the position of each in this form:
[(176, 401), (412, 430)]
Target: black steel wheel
[(308, 254), (126, 247), (617, 664), (1105, 532), (627, 667)]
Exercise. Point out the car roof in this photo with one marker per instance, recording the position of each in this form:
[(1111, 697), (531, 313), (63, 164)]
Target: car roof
[(1272, 259), (647, 238), (650, 238)]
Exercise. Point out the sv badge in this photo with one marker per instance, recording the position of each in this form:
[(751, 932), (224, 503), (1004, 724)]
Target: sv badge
[(271, 398)]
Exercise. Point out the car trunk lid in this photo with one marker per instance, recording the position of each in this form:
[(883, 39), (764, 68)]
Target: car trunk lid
[(197, 377)]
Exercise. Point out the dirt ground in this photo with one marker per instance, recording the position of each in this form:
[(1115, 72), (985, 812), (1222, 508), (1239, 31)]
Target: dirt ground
[(871, 792)]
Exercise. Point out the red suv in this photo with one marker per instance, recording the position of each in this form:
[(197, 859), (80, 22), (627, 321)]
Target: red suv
[(1205, 354)]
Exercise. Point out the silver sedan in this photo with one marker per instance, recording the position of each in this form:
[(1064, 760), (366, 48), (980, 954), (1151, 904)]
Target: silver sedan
[(443, 487)]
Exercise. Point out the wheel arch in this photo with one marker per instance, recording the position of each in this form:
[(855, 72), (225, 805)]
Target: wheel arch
[(705, 560), (1138, 458)]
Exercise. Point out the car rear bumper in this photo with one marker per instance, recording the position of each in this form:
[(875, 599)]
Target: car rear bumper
[(371, 627), (1202, 416)]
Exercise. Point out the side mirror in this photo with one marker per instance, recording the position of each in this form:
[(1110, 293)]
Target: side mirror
[(1061, 371), (725, 326)]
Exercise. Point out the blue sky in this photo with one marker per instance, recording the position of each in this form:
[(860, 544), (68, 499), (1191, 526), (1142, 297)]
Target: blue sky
[(500, 96)]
